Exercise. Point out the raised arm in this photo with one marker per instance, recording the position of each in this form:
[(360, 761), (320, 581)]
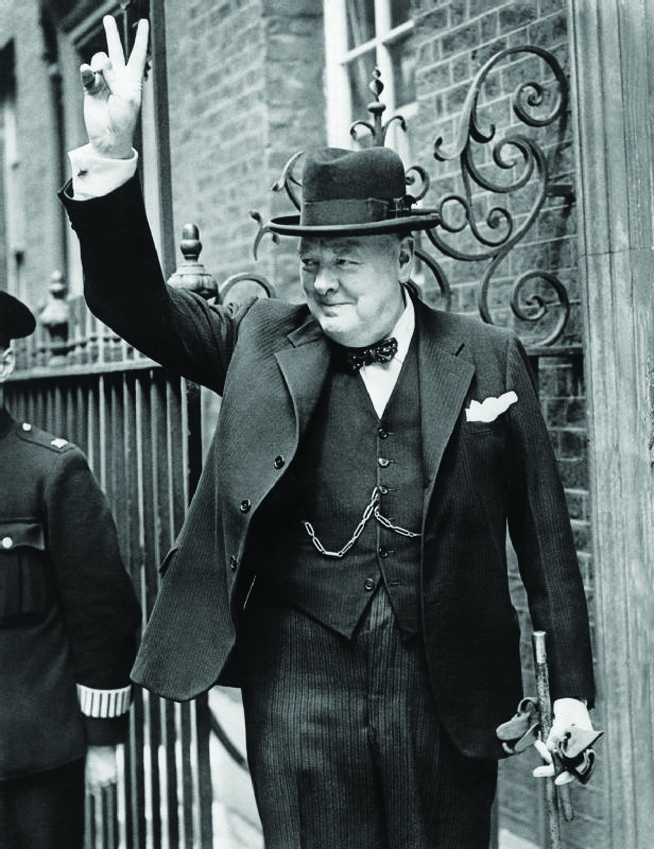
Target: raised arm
[(123, 282)]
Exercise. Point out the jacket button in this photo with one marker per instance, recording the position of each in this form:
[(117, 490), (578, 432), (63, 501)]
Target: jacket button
[(233, 563), (279, 461), (369, 584), (245, 505), (7, 542)]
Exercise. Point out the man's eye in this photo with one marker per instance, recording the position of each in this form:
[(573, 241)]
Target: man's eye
[(308, 265), (344, 262)]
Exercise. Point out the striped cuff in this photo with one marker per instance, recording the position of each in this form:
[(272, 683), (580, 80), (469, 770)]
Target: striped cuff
[(103, 704)]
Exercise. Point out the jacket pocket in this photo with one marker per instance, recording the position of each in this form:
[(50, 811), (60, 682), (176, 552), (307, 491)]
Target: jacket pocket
[(26, 590)]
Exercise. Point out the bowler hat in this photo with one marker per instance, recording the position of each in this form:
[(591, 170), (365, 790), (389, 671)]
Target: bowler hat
[(345, 191), (16, 320)]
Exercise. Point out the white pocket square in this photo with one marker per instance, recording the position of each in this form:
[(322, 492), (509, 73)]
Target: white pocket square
[(490, 408)]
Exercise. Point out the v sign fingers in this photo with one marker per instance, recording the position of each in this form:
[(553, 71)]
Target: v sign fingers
[(114, 45), (139, 54), (113, 92)]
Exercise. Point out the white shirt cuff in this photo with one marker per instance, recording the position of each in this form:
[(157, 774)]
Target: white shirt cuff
[(95, 176), (104, 704)]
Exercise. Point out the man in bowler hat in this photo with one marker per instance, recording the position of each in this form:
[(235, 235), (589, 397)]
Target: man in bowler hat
[(69, 621), (343, 560)]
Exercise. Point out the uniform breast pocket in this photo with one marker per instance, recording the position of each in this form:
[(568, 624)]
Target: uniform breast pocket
[(26, 591)]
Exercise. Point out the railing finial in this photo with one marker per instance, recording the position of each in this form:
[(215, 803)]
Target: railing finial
[(55, 317), (191, 273)]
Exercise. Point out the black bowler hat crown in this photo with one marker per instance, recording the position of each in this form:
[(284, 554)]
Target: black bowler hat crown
[(350, 192), (16, 320)]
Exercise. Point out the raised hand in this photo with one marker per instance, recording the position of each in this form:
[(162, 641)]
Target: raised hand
[(113, 88)]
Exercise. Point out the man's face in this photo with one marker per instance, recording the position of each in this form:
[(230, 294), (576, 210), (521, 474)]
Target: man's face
[(7, 363), (352, 284)]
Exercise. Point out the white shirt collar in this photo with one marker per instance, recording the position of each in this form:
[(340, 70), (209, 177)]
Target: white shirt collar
[(403, 330)]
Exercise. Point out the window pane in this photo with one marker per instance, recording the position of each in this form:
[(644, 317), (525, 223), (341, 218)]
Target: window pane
[(399, 12), (404, 67), (360, 22)]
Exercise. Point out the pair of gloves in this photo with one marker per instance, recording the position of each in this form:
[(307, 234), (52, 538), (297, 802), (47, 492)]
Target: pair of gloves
[(567, 752)]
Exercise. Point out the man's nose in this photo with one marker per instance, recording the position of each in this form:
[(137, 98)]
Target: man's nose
[(326, 280)]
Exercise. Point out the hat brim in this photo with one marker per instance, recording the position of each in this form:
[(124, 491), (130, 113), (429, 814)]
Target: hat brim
[(289, 225)]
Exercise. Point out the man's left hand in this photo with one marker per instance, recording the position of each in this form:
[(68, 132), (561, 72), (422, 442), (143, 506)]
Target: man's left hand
[(101, 768), (570, 716)]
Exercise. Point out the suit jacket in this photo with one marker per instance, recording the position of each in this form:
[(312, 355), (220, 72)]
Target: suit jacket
[(68, 612), (269, 360)]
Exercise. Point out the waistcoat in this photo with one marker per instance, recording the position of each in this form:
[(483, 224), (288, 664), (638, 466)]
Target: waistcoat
[(332, 530)]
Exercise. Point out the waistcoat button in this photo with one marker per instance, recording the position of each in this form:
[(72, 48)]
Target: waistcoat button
[(245, 505), (383, 462), (381, 433), (279, 461), (369, 584)]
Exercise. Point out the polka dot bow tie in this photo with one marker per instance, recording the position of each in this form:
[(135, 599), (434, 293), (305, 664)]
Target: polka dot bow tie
[(380, 352)]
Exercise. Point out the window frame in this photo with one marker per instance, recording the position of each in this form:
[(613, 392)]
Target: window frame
[(337, 76)]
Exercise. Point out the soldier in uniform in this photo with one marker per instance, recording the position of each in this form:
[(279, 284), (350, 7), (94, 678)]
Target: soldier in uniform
[(69, 621)]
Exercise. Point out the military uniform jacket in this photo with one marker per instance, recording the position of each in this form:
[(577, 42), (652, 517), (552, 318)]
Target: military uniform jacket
[(269, 361), (69, 616)]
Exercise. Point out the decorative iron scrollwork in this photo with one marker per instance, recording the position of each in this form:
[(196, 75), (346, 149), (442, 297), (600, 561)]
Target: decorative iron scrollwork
[(490, 167), (538, 298)]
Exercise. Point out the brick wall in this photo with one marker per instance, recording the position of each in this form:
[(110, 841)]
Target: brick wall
[(36, 219), (246, 92)]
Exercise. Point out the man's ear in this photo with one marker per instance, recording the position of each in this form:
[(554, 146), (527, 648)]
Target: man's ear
[(7, 363), (406, 257)]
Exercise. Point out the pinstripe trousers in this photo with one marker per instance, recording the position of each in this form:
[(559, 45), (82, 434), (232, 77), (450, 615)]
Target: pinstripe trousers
[(344, 743)]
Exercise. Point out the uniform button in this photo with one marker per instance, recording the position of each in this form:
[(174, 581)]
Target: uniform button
[(7, 542), (245, 505), (279, 462), (384, 552), (382, 434), (383, 462), (27, 426), (369, 584), (383, 490)]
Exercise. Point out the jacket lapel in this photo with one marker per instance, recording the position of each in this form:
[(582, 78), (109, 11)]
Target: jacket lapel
[(444, 378), (304, 366)]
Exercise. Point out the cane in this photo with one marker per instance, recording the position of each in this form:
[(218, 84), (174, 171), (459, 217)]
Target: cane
[(545, 710)]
